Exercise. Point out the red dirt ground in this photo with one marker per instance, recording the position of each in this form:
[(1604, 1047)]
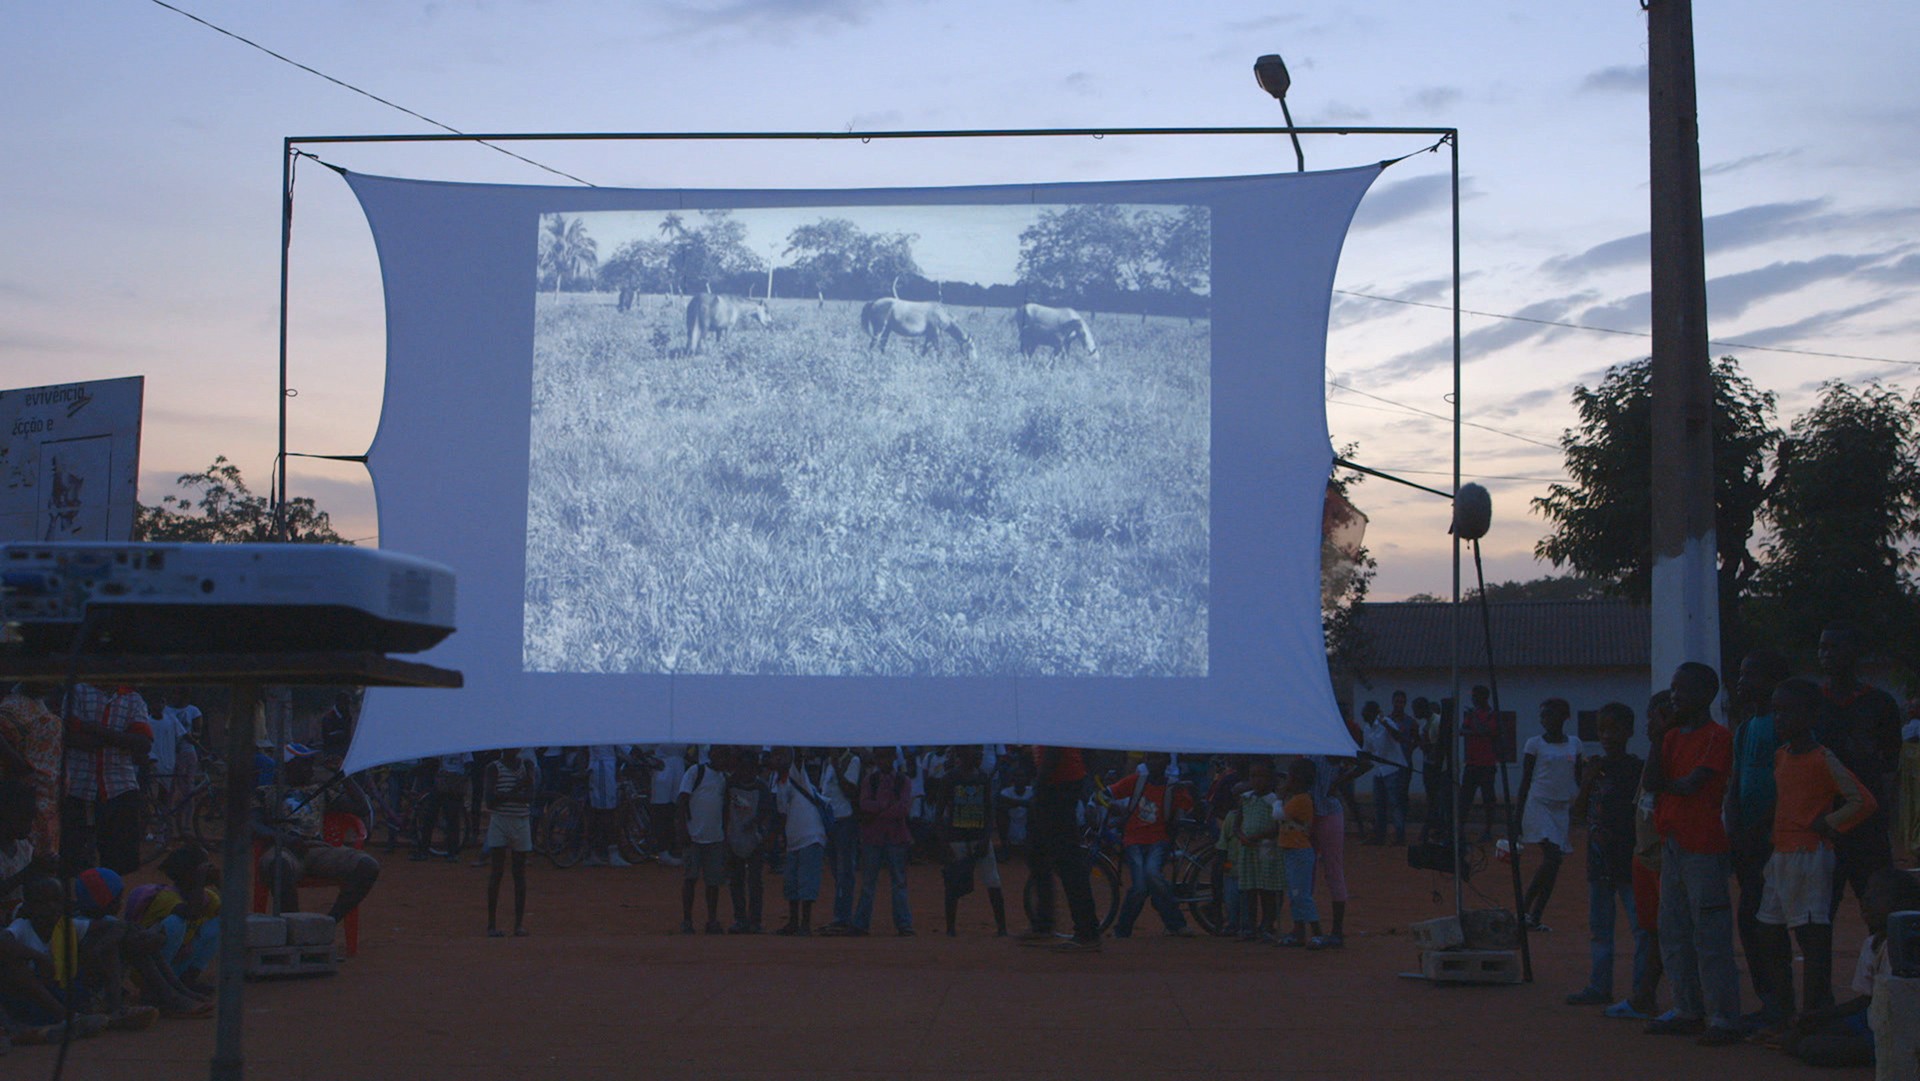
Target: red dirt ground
[(604, 989)]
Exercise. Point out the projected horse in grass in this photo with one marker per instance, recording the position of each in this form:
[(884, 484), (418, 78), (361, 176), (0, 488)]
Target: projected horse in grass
[(1058, 328), (922, 319), (711, 316)]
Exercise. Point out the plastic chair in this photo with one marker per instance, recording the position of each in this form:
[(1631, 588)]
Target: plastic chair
[(339, 829)]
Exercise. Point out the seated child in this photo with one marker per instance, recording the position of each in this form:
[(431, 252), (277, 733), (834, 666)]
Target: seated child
[(1841, 1035), (47, 958), (187, 914)]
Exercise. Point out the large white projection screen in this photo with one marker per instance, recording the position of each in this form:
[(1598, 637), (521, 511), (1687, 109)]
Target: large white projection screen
[(1032, 464)]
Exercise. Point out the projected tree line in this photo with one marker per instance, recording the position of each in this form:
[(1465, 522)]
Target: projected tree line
[(1101, 257)]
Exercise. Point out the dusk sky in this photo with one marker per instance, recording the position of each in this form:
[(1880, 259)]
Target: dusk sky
[(140, 229)]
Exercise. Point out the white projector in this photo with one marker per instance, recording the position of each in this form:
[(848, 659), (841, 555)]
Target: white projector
[(222, 598)]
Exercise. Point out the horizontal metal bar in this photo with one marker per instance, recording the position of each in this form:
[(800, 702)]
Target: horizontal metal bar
[(863, 136), (1372, 472)]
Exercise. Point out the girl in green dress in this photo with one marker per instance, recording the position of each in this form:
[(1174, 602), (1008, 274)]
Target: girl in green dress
[(1262, 875)]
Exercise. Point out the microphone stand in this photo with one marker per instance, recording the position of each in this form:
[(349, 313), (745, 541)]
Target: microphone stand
[(1506, 788)]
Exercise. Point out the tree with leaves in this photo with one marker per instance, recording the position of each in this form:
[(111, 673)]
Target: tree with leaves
[(1602, 518), (1346, 573), (220, 508), (640, 265), (834, 257), (701, 255), (1086, 254), (567, 254), (1844, 518)]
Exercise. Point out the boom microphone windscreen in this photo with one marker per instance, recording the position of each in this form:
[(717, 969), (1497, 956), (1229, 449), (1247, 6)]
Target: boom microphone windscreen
[(1472, 512)]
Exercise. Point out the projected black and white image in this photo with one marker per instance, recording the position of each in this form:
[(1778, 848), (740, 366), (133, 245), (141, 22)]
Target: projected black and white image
[(871, 441)]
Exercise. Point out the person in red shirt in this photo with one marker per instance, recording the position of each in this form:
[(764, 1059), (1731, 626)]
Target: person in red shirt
[(1688, 779), (1478, 730), (1150, 806)]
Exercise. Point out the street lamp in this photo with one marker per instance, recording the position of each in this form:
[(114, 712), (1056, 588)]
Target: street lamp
[(1271, 73)]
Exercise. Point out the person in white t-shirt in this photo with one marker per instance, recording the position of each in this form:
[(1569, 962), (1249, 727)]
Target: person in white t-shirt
[(1549, 779), (186, 720), (703, 835), (840, 784), (663, 832), (805, 808)]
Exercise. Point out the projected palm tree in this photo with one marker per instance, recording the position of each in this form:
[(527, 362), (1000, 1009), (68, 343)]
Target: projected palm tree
[(566, 251)]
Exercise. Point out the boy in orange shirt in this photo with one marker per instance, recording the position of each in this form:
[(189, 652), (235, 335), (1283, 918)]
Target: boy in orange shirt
[(1295, 841), (1817, 800)]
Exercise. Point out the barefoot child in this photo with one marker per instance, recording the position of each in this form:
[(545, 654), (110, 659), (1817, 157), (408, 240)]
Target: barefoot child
[(1548, 782), (511, 781), (1606, 801), (966, 825), (1262, 875)]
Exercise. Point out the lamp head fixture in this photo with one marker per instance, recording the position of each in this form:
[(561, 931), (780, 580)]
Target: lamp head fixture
[(1271, 73)]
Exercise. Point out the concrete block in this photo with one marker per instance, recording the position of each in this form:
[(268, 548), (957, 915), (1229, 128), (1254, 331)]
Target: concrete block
[(309, 929), (266, 931), (279, 961), (1471, 966), (1440, 934), (1490, 929)]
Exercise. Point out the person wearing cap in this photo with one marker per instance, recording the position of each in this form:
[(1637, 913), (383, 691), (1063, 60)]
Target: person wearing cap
[(295, 833)]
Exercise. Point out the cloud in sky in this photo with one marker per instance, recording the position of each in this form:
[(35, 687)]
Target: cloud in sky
[(1731, 294), (1618, 79), (1815, 324), (766, 15), (1478, 343), (1401, 199), (1435, 98), (1728, 231), (1721, 168), (1335, 112)]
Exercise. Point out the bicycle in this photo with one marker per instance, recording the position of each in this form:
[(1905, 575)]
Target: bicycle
[(1197, 869), (198, 815), (400, 819), (562, 832), (1098, 840)]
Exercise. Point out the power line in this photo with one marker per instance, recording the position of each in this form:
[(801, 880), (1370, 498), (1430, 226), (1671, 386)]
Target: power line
[(366, 93), (1624, 333), (1442, 416)]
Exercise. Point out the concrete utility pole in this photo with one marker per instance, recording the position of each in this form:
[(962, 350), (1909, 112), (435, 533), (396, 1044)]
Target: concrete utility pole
[(1686, 586)]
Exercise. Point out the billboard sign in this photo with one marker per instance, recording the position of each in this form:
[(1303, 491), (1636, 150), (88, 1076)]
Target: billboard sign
[(70, 461)]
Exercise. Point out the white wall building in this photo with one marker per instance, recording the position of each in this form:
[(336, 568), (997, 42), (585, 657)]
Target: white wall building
[(1587, 652)]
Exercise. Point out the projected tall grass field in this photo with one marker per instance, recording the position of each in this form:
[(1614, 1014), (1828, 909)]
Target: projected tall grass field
[(793, 499)]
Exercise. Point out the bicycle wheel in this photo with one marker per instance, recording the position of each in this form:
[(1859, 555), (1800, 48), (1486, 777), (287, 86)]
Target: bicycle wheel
[(565, 831), (1102, 876), (1199, 888), (632, 832), (156, 833), (208, 818), (1106, 898)]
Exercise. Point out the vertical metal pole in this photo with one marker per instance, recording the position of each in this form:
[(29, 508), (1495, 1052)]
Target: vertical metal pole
[(1299, 156), (1457, 751), (286, 243), (236, 882), (1686, 604)]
